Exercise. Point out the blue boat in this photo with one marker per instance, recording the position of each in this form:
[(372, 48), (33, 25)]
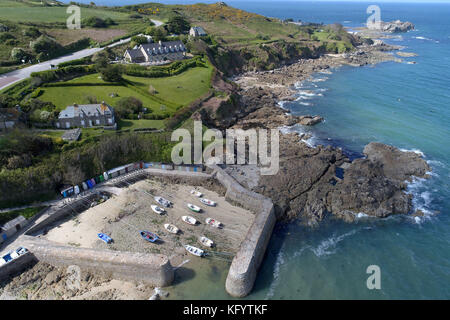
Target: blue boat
[(149, 236), (104, 237)]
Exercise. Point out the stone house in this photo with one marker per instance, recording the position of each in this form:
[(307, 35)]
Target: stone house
[(85, 116), (156, 52), (197, 32)]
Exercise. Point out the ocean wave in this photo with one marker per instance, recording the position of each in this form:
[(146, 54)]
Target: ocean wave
[(309, 93), (323, 249), (281, 105), (417, 151), (310, 141), (320, 79), (421, 200), (423, 38)]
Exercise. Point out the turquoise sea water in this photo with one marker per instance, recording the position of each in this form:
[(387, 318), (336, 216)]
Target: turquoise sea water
[(400, 104)]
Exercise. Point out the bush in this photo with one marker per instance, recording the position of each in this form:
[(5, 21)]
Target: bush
[(139, 39), (5, 36), (32, 32), (47, 46), (178, 24), (128, 107), (18, 54), (112, 73), (97, 22)]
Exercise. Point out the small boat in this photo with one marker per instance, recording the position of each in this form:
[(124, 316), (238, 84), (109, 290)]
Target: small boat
[(171, 228), (194, 208), (158, 210), (149, 236), (189, 220), (214, 223), (208, 202), (164, 202), (195, 251), (196, 193), (104, 237), (206, 242)]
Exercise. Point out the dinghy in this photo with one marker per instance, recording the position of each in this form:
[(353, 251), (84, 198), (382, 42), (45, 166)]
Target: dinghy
[(189, 220), (214, 223), (104, 237), (158, 210), (194, 208), (208, 202), (196, 193), (195, 251), (164, 202), (148, 236), (206, 242), (171, 228)]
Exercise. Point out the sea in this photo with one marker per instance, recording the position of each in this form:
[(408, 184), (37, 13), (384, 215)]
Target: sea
[(401, 104)]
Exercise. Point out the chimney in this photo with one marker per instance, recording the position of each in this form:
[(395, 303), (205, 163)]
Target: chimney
[(75, 105)]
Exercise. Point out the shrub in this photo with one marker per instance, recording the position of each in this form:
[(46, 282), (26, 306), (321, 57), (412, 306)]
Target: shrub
[(178, 24), (46, 46), (112, 73), (18, 54), (128, 107), (32, 32)]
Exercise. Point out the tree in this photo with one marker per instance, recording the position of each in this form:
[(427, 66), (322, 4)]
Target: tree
[(46, 45), (136, 40), (158, 34), (112, 73), (128, 106), (178, 25), (18, 54)]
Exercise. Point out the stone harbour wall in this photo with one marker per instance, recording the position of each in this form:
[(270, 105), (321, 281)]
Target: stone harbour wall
[(244, 267), (153, 269)]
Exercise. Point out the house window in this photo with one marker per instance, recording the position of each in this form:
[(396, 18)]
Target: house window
[(82, 123), (97, 121), (57, 124), (110, 121), (67, 125)]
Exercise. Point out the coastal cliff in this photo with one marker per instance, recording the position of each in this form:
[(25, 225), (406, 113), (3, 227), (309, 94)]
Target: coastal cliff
[(315, 181)]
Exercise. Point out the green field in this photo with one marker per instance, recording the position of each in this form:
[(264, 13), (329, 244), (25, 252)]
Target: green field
[(23, 13), (172, 92)]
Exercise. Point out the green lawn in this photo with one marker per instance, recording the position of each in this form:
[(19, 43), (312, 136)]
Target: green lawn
[(140, 124), (181, 89), (64, 96), (172, 92)]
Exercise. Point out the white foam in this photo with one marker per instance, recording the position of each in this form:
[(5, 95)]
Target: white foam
[(281, 105), (323, 248), (276, 272), (416, 151)]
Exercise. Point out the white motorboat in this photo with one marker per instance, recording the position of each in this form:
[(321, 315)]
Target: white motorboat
[(208, 202), (194, 208), (189, 220), (206, 242), (214, 223), (195, 251), (158, 210), (164, 202), (171, 228), (196, 193)]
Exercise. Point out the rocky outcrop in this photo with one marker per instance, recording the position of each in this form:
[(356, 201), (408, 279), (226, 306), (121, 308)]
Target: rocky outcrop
[(310, 120), (396, 26)]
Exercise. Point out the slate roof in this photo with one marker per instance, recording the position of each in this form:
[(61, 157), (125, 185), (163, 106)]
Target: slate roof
[(85, 110), (163, 47), (135, 53)]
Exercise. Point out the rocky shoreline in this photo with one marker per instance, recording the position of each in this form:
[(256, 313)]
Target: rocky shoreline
[(315, 181)]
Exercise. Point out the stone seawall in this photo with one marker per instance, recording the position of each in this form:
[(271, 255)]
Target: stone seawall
[(56, 213), (153, 269), (244, 268)]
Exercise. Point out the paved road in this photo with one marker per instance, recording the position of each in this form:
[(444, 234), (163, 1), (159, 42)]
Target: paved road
[(8, 79)]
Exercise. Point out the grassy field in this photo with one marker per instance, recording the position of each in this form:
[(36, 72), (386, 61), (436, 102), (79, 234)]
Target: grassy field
[(24, 13), (175, 91)]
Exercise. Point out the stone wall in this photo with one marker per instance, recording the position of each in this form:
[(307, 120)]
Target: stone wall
[(153, 269), (244, 268)]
